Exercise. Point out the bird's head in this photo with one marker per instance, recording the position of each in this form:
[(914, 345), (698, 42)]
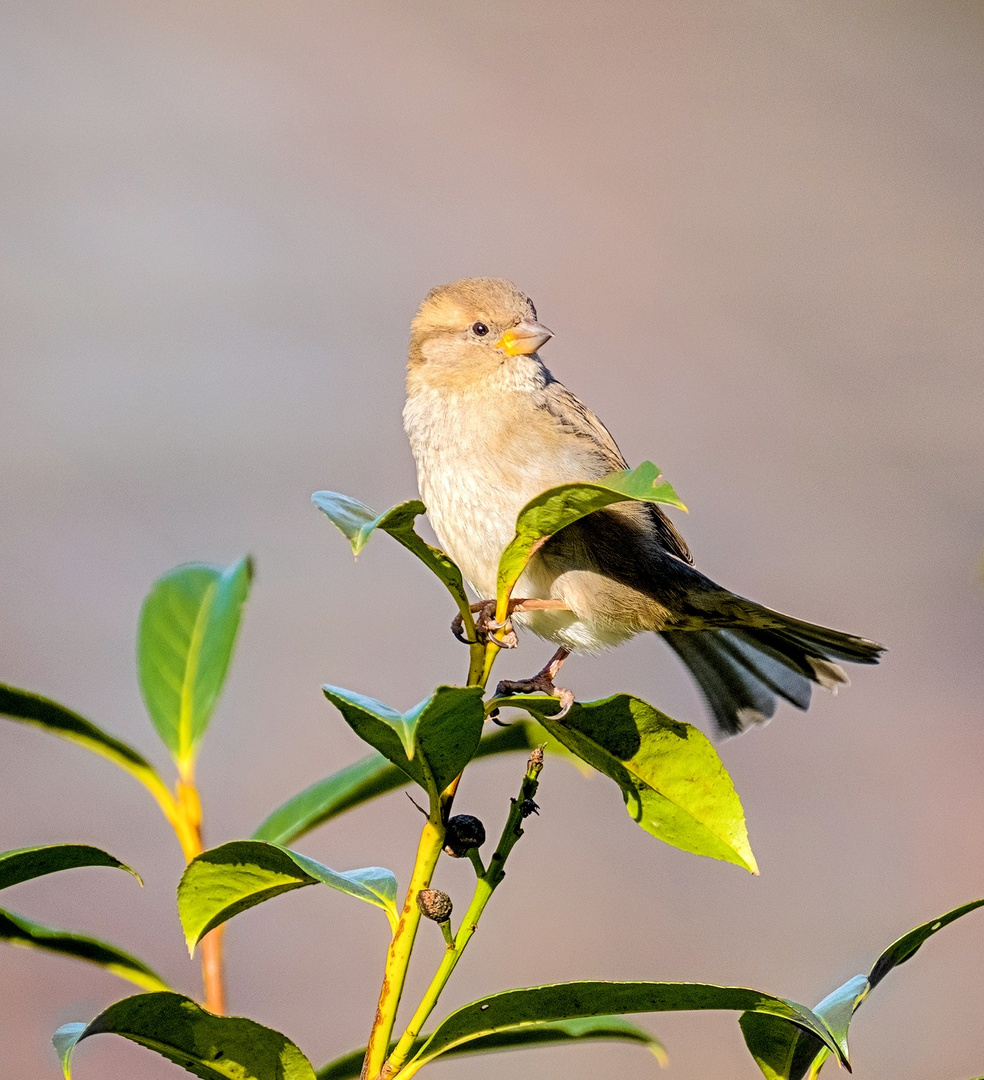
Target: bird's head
[(473, 325)]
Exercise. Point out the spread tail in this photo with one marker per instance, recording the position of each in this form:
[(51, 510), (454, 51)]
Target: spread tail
[(742, 669)]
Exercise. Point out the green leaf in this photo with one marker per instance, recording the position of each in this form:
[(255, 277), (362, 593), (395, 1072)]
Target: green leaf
[(236, 876), (207, 1046), (908, 945), (783, 1051), (431, 743), (563, 1001), (358, 522), (17, 930), (554, 1033), (673, 782), (786, 1053), (48, 715), (188, 628), (362, 781), (557, 507), (26, 863)]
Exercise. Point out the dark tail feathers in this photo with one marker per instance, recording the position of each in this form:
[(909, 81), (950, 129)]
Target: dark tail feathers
[(743, 669)]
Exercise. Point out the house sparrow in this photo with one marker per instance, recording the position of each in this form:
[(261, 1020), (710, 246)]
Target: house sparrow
[(490, 428)]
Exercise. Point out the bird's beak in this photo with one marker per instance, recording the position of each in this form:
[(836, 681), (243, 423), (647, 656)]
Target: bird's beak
[(524, 338)]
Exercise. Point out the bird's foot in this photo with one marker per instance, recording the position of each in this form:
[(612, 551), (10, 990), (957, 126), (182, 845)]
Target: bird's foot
[(542, 683), (486, 626)]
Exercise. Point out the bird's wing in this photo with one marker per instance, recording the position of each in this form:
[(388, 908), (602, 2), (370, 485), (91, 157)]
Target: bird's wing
[(575, 418)]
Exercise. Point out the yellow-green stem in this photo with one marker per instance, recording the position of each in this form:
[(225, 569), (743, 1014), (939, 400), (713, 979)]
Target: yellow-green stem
[(491, 652), (400, 948), (481, 659), (484, 888), (483, 892)]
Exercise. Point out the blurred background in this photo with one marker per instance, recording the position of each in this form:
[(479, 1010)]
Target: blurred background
[(757, 232)]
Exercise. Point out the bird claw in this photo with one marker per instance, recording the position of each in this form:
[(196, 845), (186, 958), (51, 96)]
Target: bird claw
[(458, 629), (541, 683), (486, 627)]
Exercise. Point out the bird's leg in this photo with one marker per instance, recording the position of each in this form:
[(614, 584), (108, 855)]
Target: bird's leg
[(542, 682), (486, 624)]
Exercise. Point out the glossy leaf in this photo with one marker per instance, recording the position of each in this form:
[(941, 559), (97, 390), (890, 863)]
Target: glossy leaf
[(364, 780), (672, 780), (908, 945), (56, 719), (563, 1001), (207, 1046), (558, 507), (786, 1053), (17, 930), (588, 1029), (233, 877), (188, 628), (27, 863), (357, 522), (783, 1051), (431, 743)]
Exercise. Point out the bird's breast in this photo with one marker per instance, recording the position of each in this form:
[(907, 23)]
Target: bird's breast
[(480, 458)]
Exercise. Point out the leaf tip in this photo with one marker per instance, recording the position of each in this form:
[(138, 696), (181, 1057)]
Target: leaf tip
[(659, 1053)]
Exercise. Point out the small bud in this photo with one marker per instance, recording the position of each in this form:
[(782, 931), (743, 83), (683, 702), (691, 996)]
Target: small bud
[(434, 904), (536, 758), (464, 833)]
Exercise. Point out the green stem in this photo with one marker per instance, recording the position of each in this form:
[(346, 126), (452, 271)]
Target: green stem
[(481, 658), (401, 946), (491, 651), (476, 652), (484, 888)]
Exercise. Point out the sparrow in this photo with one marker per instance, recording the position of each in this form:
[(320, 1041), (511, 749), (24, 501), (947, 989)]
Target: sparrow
[(490, 428)]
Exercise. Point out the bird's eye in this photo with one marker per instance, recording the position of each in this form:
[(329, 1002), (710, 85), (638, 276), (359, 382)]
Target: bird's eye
[(479, 329)]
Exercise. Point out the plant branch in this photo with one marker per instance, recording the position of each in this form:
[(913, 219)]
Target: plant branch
[(481, 659), (187, 825), (521, 807), (401, 946)]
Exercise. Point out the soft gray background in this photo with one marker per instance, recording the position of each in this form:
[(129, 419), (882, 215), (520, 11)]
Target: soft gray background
[(756, 230)]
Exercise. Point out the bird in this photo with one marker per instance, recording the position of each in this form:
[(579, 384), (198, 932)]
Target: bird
[(490, 428)]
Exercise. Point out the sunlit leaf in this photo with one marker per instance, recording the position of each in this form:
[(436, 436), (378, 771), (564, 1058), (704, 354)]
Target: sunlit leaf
[(556, 1033), (554, 509), (56, 719), (562, 1001), (672, 779), (431, 743), (233, 877), (207, 1046), (188, 628), (26, 863), (357, 522), (908, 945), (16, 930), (783, 1052), (364, 780)]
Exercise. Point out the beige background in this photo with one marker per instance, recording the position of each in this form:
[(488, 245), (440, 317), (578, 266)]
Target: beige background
[(756, 230)]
